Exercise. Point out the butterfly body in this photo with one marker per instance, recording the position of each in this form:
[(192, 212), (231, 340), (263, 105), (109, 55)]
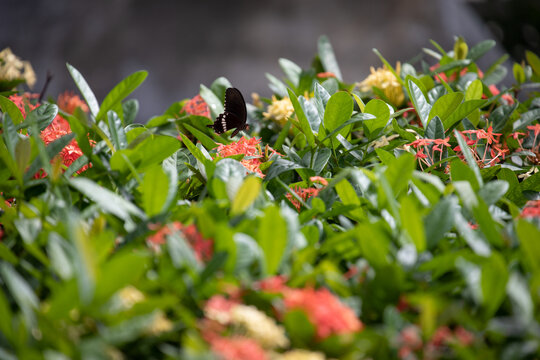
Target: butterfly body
[(234, 115)]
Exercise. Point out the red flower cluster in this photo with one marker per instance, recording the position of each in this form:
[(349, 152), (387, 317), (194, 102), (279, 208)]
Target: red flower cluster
[(306, 193), (252, 151), (56, 129), (493, 151), (197, 106), (237, 348), (411, 342), (202, 247), (535, 147), (68, 102), (531, 209), (430, 146)]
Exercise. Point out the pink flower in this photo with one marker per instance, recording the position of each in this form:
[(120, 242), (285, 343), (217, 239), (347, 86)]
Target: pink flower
[(323, 310), (202, 247), (531, 209), (273, 284), (535, 128), (250, 148)]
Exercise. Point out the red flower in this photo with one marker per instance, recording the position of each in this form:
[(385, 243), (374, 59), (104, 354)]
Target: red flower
[(323, 310), (535, 128), (463, 336), (237, 348), (250, 148), (68, 102), (203, 248), (495, 91), (273, 284), (327, 74), (197, 106), (23, 102), (531, 209)]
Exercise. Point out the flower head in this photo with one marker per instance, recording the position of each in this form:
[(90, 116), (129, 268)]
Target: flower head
[(385, 80), (202, 247), (531, 209), (279, 111), (252, 151), (323, 310), (130, 296), (237, 348), (68, 102), (197, 106), (259, 326), (13, 68)]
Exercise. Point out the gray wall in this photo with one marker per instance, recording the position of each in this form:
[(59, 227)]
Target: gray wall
[(185, 43)]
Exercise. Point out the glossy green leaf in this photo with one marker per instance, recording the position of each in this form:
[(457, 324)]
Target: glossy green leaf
[(130, 109), (120, 92), (202, 137), (462, 111), (480, 49), (327, 56), (418, 98), (439, 221), (445, 106), (291, 70), (116, 129), (338, 110), (348, 196), (10, 108), (534, 61), (154, 190), (380, 110), (411, 221), (529, 236), (374, 244), (85, 90), (304, 123), (469, 157)]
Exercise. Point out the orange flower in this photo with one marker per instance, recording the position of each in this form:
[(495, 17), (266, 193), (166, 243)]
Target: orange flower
[(68, 102), (251, 148), (197, 106), (23, 102), (531, 209), (306, 193), (327, 74), (202, 247), (323, 310)]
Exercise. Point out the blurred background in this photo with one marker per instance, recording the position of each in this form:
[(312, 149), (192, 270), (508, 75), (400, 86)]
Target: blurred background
[(185, 43)]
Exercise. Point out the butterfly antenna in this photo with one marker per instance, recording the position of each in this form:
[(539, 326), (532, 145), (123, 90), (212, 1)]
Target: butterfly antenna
[(45, 86)]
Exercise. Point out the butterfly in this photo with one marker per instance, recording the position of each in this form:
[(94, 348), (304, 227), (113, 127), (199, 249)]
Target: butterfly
[(234, 115)]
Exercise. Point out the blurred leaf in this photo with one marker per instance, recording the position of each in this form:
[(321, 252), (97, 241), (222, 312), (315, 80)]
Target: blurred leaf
[(272, 238), (130, 109), (380, 110), (411, 221), (7, 106), (493, 282), (529, 237), (492, 191), (85, 90), (245, 196), (348, 196), (534, 61), (214, 103), (277, 86), (480, 49), (468, 156), (154, 190), (291, 70), (400, 173), (120, 92), (109, 201), (526, 119), (299, 327), (21, 291), (374, 244), (327, 56), (280, 166), (440, 220)]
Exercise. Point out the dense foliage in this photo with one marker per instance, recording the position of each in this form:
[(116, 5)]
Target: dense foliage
[(396, 217)]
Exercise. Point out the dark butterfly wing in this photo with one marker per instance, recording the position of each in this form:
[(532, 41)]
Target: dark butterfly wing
[(234, 114)]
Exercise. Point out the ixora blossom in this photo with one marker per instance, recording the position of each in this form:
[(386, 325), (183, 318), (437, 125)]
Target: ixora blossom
[(12, 68), (202, 247), (68, 102), (56, 129), (237, 348), (279, 111), (252, 151), (323, 310), (197, 106), (385, 80), (531, 209), (306, 193)]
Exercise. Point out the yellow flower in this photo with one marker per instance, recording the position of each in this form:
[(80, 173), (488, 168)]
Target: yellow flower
[(279, 111), (12, 68), (159, 325), (130, 296), (259, 327), (383, 79), (300, 354)]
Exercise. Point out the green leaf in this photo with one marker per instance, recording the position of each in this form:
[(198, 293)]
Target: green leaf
[(529, 236), (6, 325), (469, 157), (493, 282), (399, 174), (272, 238), (291, 70), (120, 92), (464, 109), (435, 129), (304, 123), (418, 98), (519, 73), (109, 201), (246, 195), (21, 291), (202, 137), (480, 49), (411, 221), (214, 103), (321, 97), (327, 57), (85, 90), (440, 220), (459, 171), (280, 166), (116, 129), (276, 85), (445, 106), (10, 135), (534, 61), (130, 109), (338, 110), (52, 150), (374, 244), (10, 108), (492, 191), (195, 151), (154, 190), (348, 196), (500, 116), (43, 116), (489, 227), (311, 112), (526, 119), (380, 110), (23, 152)]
